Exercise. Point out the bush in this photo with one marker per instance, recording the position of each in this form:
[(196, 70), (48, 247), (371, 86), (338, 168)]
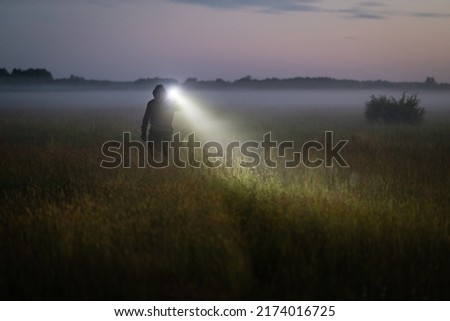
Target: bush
[(389, 110)]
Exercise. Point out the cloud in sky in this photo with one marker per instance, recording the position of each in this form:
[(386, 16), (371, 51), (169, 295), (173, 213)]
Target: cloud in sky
[(287, 5), (365, 10), (346, 9), (371, 10), (429, 15)]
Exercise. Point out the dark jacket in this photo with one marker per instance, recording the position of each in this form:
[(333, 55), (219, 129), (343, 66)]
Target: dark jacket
[(159, 115)]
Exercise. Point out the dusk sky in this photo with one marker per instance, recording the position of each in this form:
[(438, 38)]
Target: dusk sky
[(130, 39)]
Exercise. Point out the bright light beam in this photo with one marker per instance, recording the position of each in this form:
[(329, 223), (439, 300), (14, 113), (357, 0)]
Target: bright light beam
[(197, 116), (205, 125), (174, 93)]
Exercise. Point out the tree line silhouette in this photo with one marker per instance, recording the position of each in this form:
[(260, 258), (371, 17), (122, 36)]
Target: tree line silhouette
[(31, 77), (28, 75)]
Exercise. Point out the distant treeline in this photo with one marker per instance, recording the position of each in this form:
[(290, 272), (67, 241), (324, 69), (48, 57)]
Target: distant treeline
[(41, 77), (19, 76)]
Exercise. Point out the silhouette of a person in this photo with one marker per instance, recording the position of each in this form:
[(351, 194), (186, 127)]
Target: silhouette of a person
[(159, 114)]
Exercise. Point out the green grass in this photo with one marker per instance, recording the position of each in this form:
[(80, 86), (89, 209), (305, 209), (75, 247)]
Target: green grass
[(72, 230)]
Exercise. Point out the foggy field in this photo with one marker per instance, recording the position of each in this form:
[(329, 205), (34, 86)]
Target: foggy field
[(70, 229)]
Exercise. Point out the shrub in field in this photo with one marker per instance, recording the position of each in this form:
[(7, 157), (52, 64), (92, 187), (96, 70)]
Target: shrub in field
[(387, 109)]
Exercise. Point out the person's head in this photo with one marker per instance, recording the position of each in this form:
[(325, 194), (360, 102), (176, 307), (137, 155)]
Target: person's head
[(160, 92)]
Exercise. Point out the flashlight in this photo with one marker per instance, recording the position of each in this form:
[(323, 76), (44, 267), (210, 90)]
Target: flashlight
[(174, 93)]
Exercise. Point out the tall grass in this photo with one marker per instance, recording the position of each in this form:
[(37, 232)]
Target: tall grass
[(72, 230)]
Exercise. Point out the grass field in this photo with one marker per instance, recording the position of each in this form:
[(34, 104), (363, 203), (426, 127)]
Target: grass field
[(72, 230)]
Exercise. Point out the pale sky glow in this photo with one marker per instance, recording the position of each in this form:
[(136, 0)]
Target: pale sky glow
[(125, 40)]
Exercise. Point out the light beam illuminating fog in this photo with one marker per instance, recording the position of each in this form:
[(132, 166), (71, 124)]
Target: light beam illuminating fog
[(203, 124)]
